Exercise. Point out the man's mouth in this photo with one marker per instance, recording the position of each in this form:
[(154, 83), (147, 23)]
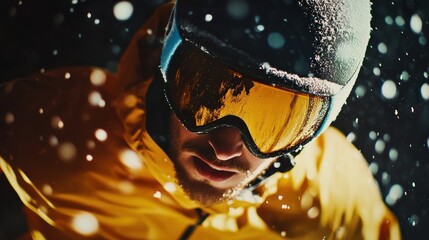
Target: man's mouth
[(211, 172)]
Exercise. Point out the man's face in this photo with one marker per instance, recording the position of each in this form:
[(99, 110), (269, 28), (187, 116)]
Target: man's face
[(212, 167)]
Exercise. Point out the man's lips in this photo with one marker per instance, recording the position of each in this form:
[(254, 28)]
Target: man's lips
[(211, 171)]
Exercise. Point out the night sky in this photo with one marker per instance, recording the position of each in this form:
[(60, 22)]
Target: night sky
[(386, 116)]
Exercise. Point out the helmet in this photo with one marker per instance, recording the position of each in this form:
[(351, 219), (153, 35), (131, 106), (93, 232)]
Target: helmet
[(277, 70)]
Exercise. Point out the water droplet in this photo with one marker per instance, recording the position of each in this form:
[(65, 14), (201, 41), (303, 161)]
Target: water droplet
[(88, 15), (208, 18), (416, 23), (376, 71), (126, 187), (389, 89), (9, 118), (98, 77), (67, 75), (405, 76), (283, 233), (66, 151), (89, 157), (313, 212), (238, 9), (85, 223), (260, 28), (57, 123), (47, 189), (413, 220), (170, 187), (360, 91), (276, 40), (123, 10), (382, 48), (97, 21), (95, 99), (130, 159), (351, 137), (372, 135), (424, 91), (379, 146), (53, 141), (399, 20), (101, 135), (388, 20), (157, 194), (130, 100), (393, 154), (395, 193)]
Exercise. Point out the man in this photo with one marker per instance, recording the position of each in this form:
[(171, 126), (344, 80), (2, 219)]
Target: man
[(248, 84)]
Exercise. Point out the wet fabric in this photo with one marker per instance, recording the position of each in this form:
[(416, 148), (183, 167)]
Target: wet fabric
[(74, 146)]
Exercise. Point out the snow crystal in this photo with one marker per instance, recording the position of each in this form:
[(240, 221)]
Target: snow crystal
[(395, 193), (67, 75), (416, 23), (424, 90), (427, 143), (88, 15), (66, 151), (388, 89), (123, 10), (101, 135), (97, 21), (85, 223)]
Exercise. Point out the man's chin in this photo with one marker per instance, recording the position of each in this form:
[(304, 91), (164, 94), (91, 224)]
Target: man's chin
[(203, 192)]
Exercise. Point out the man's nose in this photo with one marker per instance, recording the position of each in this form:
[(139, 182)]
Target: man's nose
[(226, 143)]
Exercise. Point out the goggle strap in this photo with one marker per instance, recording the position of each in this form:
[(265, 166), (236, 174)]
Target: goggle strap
[(283, 164)]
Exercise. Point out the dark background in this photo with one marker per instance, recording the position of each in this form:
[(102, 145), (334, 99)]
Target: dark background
[(392, 133)]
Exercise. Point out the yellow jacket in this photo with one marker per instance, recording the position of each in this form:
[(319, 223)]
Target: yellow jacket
[(74, 146)]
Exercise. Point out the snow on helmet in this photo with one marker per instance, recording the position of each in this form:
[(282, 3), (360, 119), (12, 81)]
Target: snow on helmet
[(277, 70)]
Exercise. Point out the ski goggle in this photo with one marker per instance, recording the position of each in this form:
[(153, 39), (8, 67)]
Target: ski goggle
[(206, 94)]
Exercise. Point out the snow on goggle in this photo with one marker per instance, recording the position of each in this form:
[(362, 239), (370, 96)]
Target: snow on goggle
[(206, 94)]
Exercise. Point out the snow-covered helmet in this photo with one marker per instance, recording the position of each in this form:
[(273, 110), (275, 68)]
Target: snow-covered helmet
[(277, 70)]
